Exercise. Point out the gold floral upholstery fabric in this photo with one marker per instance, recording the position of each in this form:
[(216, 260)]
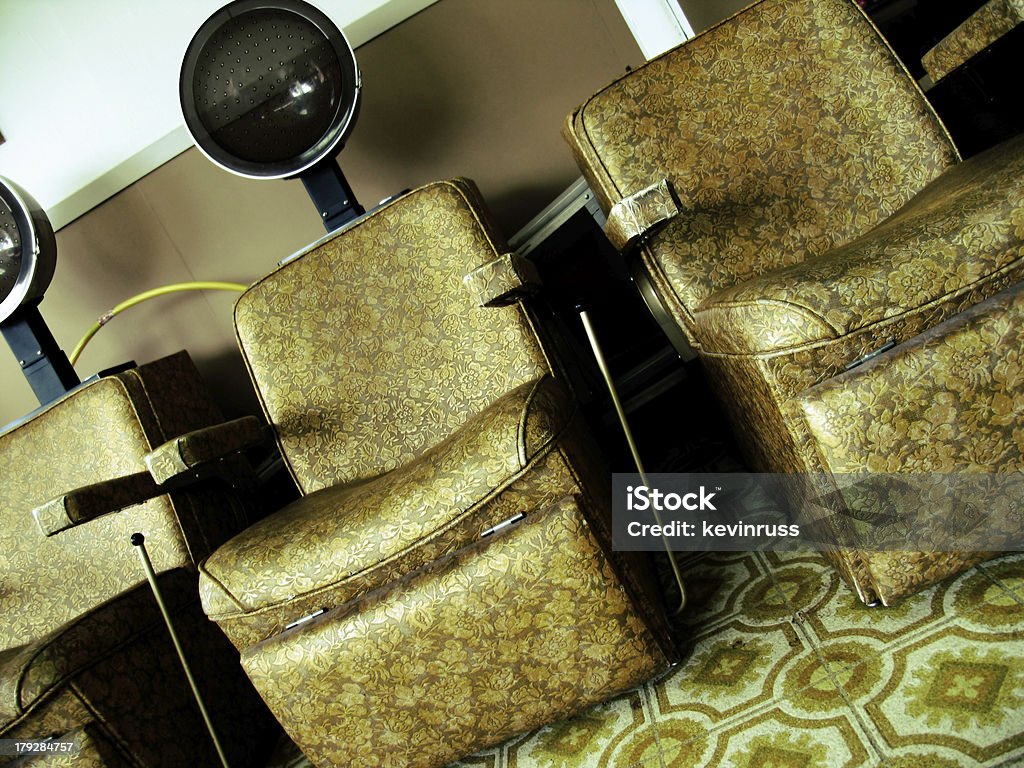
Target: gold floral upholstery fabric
[(824, 215), (784, 132), (113, 674), (99, 436), (959, 386), (950, 401), (33, 671), (390, 307), (416, 421), (527, 627), (92, 501), (75, 652), (635, 217), (506, 280), (961, 234), (337, 543), (99, 432), (758, 389), (190, 451), (986, 25)]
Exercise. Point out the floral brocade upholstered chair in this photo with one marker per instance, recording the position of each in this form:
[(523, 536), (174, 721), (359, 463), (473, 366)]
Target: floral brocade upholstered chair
[(851, 288), (85, 656), (446, 579)]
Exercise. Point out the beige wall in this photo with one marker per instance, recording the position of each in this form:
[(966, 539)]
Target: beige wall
[(468, 88)]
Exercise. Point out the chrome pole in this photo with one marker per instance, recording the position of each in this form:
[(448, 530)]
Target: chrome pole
[(609, 382), (139, 542)]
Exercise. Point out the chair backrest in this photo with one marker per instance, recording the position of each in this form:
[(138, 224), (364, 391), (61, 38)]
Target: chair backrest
[(785, 130), (367, 349), (95, 433)]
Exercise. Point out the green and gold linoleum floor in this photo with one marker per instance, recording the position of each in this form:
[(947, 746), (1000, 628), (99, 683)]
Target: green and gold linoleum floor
[(784, 668)]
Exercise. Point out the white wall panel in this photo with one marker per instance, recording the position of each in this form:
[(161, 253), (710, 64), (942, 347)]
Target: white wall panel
[(89, 88)]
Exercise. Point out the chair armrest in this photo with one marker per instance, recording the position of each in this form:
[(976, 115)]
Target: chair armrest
[(91, 501), (983, 28), (635, 217), (190, 451), (503, 281)]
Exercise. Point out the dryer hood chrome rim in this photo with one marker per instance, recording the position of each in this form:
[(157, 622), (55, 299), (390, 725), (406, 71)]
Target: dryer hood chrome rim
[(31, 251), (255, 97)]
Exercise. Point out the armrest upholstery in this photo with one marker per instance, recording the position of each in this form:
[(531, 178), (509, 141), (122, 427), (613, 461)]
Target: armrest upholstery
[(635, 217), (91, 501), (189, 451), (503, 281), (984, 27)]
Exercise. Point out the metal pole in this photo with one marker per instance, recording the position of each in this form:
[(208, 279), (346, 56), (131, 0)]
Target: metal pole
[(606, 373), (139, 542)]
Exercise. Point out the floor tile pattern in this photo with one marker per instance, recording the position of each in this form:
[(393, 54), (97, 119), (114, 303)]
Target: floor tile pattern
[(784, 668)]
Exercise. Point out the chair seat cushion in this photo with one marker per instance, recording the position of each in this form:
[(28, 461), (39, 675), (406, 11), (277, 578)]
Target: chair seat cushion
[(950, 400), (963, 234), (344, 541), (31, 671), (531, 626)]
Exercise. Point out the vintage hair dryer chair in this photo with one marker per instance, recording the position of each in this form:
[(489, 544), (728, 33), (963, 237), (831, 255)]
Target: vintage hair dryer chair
[(852, 290)]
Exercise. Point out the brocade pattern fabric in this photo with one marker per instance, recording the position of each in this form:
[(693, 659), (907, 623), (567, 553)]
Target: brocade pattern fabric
[(824, 215), (114, 673), (951, 401), (982, 28), (416, 421), (784, 131), (99, 432), (506, 280), (506, 633), (963, 231), (190, 451), (391, 307), (635, 217), (85, 504), (82, 649), (339, 542)]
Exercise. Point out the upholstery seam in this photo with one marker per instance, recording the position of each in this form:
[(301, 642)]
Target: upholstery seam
[(224, 591), (161, 435), (524, 417), (799, 308), (112, 733), (43, 410)]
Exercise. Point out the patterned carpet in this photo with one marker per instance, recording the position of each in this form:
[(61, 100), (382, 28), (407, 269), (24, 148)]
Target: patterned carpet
[(785, 669)]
